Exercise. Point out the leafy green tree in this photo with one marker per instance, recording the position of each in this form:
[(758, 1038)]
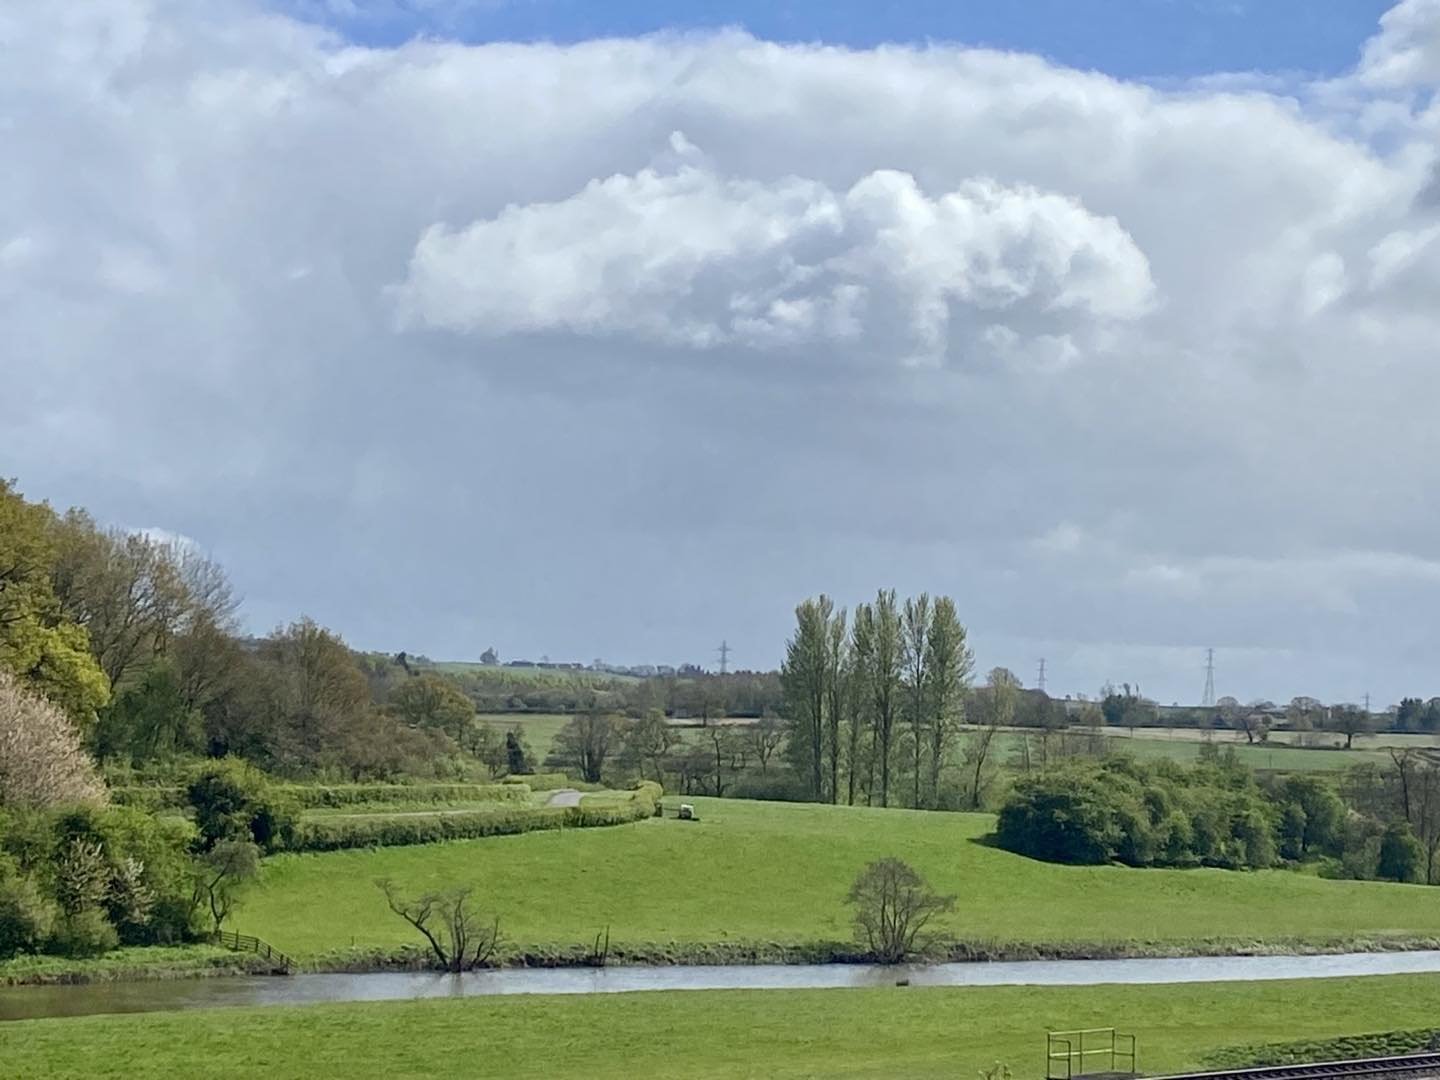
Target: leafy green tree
[(948, 665), (804, 678), (879, 660), (221, 876), (915, 632), (37, 643), (150, 720), (430, 701)]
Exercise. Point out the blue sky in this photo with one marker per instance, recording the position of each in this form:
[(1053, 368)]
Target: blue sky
[(1124, 38)]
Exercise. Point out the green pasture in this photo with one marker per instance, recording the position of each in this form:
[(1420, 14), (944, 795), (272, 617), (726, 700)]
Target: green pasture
[(892, 1032), (778, 873)]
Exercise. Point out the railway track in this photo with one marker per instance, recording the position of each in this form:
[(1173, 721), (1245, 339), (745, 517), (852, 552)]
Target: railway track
[(1426, 1064)]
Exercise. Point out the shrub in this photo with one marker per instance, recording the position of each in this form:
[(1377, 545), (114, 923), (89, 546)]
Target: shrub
[(25, 916), (85, 933), (233, 800), (1401, 856)]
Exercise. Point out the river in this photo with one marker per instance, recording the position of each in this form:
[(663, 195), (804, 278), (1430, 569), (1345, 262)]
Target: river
[(28, 1002)]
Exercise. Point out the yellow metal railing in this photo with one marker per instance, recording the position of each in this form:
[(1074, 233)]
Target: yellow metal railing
[(1088, 1050)]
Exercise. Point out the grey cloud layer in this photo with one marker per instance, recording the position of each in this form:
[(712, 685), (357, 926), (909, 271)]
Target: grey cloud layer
[(450, 345)]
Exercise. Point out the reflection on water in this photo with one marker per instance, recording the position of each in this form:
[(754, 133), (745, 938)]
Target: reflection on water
[(19, 1003)]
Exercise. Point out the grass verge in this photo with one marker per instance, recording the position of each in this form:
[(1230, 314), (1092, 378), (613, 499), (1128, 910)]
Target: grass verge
[(910, 1032)]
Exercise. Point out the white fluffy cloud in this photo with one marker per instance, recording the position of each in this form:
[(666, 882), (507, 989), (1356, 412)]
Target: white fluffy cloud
[(440, 319), (1406, 51), (688, 258)]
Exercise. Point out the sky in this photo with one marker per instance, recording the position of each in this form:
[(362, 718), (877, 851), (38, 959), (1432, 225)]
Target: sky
[(613, 331)]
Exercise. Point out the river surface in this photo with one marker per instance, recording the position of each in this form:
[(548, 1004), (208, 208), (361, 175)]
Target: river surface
[(27, 1002)]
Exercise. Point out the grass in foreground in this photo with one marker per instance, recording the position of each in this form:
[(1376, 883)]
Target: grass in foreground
[(892, 1032), (773, 872)]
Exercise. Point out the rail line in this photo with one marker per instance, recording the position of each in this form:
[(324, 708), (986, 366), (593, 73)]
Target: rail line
[(1426, 1064)]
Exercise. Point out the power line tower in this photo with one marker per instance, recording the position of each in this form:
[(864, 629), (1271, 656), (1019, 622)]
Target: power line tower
[(724, 651), (1040, 679), (1367, 702), (1207, 699)]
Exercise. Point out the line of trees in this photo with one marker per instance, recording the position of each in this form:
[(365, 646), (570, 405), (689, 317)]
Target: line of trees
[(873, 704)]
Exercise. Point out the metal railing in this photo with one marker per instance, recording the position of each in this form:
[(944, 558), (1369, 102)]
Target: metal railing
[(1088, 1050), (249, 943)]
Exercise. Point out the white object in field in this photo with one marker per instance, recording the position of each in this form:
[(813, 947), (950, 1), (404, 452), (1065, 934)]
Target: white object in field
[(687, 812)]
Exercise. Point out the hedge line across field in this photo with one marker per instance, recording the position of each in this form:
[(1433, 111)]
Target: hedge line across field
[(329, 796), (380, 831)]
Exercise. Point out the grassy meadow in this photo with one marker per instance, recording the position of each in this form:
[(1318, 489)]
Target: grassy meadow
[(752, 872), (909, 1032)]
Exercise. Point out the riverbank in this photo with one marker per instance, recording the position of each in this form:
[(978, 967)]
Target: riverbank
[(131, 965), (916, 1032), (208, 961)]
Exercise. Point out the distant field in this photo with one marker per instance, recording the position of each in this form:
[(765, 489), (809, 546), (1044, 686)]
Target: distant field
[(540, 729), (1259, 756), (539, 676), (925, 1033), (774, 872)]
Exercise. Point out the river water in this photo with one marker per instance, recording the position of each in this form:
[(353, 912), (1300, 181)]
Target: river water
[(27, 1002)]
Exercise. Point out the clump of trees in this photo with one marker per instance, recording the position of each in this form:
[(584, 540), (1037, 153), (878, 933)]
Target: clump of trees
[(1164, 814), (894, 907), (874, 705)]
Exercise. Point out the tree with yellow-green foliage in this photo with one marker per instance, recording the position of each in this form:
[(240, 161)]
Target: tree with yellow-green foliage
[(38, 645)]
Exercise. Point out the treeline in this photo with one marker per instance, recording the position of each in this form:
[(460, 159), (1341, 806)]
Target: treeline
[(136, 639), (704, 696)]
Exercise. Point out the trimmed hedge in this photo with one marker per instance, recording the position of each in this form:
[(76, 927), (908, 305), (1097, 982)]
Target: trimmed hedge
[(330, 796), (1375, 1044), (319, 796), (380, 831)]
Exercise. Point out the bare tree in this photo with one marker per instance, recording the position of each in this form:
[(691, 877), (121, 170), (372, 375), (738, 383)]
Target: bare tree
[(765, 737), (41, 760), (893, 906), (460, 937), (1002, 689)]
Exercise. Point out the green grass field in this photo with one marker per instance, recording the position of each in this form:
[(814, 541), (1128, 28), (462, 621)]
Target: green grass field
[(893, 1032), (773, 872)]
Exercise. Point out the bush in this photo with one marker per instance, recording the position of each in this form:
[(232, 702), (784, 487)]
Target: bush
[(25, 916), (1401, 856), (233, 800), (775, 786), (85, 933)]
